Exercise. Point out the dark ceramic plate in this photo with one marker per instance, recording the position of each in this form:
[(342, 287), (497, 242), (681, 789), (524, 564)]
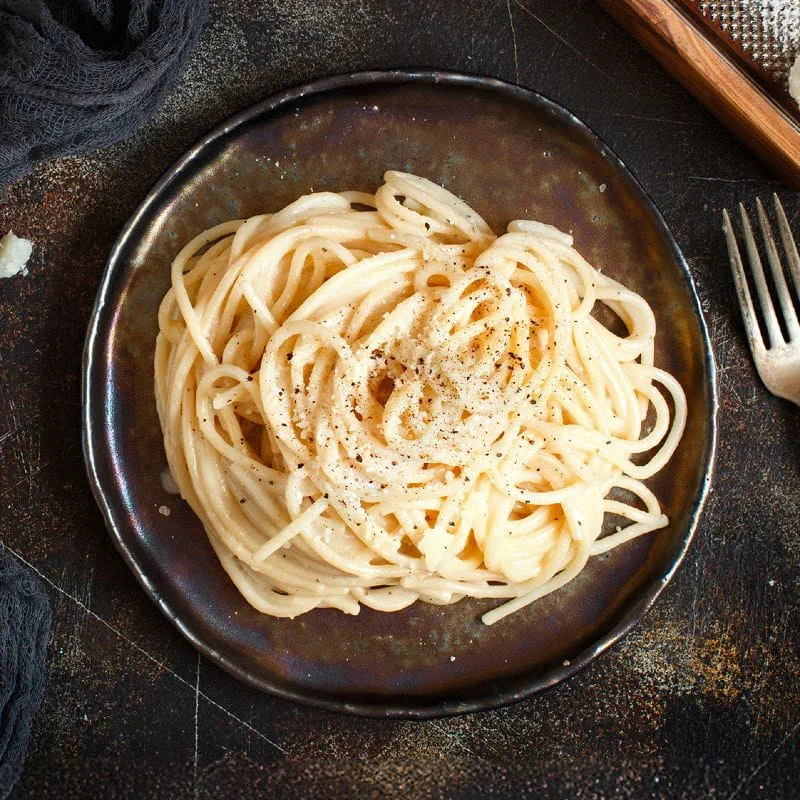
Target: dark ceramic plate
[(510, 153)]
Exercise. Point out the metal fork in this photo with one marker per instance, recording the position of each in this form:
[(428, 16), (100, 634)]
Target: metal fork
[(778, 361)]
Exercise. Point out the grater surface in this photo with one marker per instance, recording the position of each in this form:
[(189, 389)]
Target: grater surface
[(764, 34)]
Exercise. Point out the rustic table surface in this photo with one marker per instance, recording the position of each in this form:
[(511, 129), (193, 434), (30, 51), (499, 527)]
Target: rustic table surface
[(702, 699)]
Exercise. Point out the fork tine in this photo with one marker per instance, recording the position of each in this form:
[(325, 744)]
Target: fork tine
[(789, 246), (742, 289), (765, 301), (784, 298)]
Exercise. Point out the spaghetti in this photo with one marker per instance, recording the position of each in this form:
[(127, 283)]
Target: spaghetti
[(372, 400)]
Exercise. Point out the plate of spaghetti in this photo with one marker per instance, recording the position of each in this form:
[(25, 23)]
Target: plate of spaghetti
[(398, 396)]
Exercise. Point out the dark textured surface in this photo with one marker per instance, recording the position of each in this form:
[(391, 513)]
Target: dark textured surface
[(700, 700), (511, 154)]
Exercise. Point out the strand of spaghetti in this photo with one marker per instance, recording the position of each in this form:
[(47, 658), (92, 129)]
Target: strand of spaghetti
[(290, 531)]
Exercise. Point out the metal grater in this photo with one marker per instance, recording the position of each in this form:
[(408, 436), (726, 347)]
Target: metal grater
[(766, 33), (736, 57)]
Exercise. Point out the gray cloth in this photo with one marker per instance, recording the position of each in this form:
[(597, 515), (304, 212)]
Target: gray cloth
[(24, 635), (76, 75)]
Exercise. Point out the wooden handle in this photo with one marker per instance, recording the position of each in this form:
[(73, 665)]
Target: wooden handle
[(716, 80)]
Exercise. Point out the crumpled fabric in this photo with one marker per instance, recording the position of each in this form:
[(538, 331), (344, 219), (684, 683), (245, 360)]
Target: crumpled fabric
[(25, 620), (77, 75)]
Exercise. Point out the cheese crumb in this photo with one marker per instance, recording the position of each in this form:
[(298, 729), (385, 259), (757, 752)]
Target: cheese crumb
[(794, 80), (164, 510), (14, 255)]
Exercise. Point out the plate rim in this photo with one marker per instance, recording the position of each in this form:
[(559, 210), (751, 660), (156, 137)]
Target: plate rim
[(94, 439)]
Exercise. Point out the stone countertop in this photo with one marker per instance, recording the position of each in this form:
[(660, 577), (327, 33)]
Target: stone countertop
[(700, 700)]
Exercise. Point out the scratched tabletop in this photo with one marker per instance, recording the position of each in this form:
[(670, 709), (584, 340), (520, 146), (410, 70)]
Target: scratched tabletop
[(702, 699)]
